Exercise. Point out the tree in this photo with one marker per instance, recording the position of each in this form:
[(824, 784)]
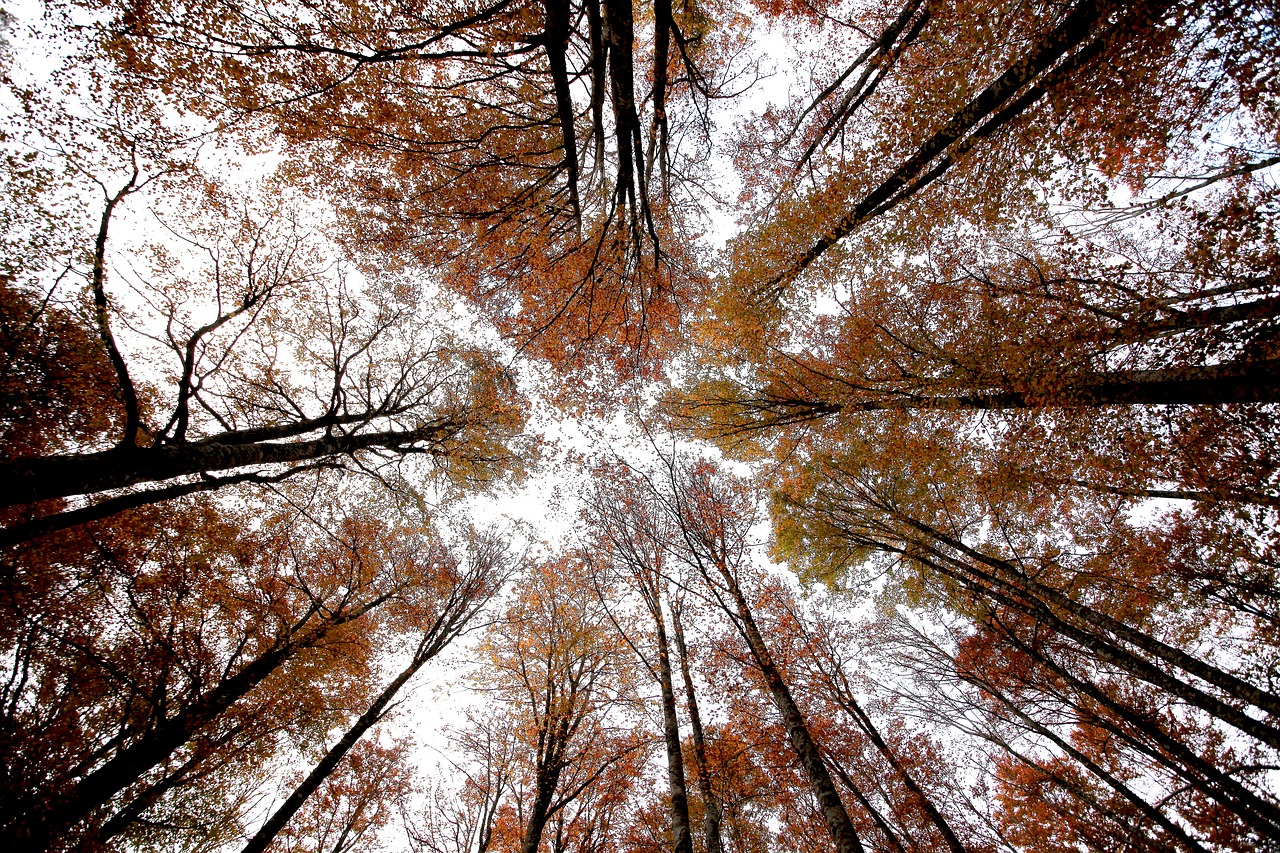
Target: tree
[(1081, 628), (182, 645), (456, 594), (713, 522), (374, 388), (561, 671), (460, 137), (633, 532)]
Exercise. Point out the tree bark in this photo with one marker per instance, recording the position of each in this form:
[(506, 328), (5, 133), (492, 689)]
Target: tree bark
[(47, 477), (712, 812), (681, 838), (556, 39), (833, 811)]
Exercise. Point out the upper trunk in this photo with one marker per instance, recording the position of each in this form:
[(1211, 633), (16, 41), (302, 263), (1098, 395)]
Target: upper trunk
[(46, 477)]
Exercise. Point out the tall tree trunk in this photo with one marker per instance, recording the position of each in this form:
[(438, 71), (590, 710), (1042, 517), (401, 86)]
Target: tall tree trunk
[(712, 812), (48, 477), (620, 32), (1166, 750), (1151, 812), (128, 394), (599, 82), (991, 588), (681, 838), (987, 112), (922, 799), (556, 39), (833, 811), (548, 776), (661, 57), (269, 830), (1011, 578)]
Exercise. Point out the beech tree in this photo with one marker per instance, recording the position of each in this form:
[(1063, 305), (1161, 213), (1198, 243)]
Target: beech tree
[(508, 145), (565, 676), (375, 387), (455, 594), (1088, 621), (216, 641)]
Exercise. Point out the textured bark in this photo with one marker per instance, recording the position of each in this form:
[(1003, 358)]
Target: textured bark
[(681, 838)]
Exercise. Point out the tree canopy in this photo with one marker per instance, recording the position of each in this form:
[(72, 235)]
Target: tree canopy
[(561, 426)]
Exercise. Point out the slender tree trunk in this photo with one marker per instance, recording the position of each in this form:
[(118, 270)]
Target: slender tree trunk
[(925, 803), (1151, 812), (1013, 579), (1220, 384), (599, 82), (681, 838), (990, 587), (1168, 751), (833, 811), (269, 830), (128, 394), (991, 108), (876, 817), (712, 812), (661, 55)]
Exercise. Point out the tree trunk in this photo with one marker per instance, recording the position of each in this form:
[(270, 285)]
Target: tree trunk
[(556, 36), (988, 106), (34, 831), (618, 15), (48, 477), (1037, 592), (1168, 751), (322, 770), (681, 838), (712, 812), (935, 816), (547, 778), (833, 811), (1152, 813)]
